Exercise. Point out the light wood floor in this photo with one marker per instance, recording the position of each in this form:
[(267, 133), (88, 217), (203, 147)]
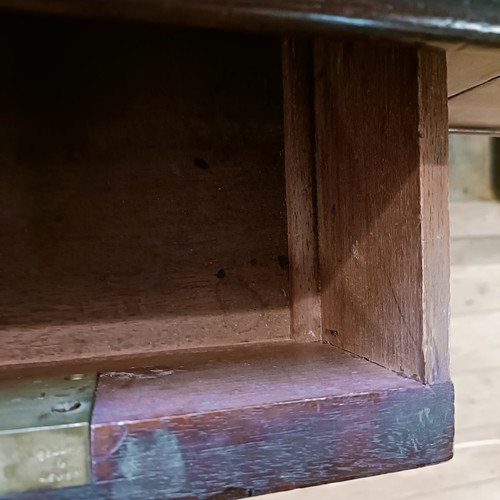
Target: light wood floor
[(474, 472)]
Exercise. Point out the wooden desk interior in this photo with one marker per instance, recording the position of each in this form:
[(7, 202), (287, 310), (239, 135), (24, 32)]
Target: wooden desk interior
[(246, 234)]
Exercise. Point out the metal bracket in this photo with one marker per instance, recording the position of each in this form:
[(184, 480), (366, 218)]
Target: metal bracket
[(45, 432)]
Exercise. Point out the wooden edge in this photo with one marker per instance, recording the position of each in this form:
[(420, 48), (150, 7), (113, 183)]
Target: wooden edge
[(259, 450), (300, 171), (448, 20), (383, 220), (434, 212), (254, 423)]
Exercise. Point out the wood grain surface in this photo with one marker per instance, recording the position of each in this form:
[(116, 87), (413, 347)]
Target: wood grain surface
[(300, 169), (142, 194), (381, 140), (434, 213), (230, 428), (451, 20)]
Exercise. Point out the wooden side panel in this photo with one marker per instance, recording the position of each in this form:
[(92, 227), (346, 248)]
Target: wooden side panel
[(434, 213), (300, 168), (142, 198), (381, 220)]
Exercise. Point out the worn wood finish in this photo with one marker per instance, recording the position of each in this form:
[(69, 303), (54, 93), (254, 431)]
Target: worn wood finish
[(300, 168), (281, 419), (231, 455), (444, 20), (382, 204), (142, 200)]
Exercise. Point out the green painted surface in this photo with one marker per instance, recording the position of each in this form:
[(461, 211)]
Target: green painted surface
[(44, 432)]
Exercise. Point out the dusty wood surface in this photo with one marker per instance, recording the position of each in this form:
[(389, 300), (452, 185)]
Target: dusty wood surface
[(382, 204), (139, 211), (300, 169), (428, 20), (291, 417), (124, 361)]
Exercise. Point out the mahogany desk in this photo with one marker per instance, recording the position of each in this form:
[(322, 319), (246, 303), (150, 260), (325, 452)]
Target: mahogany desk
[(237, 213)]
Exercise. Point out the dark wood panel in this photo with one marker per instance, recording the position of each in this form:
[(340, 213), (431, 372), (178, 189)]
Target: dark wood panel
[(427, 19), (142, 194), (234, 426), (300, 168), (382, 203)]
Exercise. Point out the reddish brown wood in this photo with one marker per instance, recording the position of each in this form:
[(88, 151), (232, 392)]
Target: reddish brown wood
[(282, 418), (142, 212), (300, 166), (142, 198), (258, 419), (382, 204)]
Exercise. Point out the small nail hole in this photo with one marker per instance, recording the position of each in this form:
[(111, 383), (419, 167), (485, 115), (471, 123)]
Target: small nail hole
[(66, 407), (283, 261), (220, 273), (201, 163)]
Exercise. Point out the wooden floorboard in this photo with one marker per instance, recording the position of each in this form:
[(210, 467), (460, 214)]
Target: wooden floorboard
[(476, 290)]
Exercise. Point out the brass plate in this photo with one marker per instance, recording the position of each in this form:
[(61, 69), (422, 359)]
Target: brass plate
[(44, 432)]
